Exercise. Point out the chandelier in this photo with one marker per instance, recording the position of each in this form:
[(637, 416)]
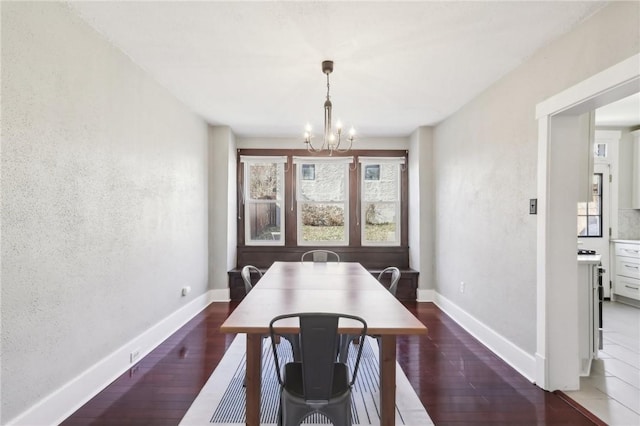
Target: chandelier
[(330, 139)]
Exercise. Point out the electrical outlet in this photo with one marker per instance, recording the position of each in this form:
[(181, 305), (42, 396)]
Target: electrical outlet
[(533, 206), (186, 290), (134, 355), (461, 286)]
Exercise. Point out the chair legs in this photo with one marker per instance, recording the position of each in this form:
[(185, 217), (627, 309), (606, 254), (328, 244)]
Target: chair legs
[(345, 341), (294, 340)]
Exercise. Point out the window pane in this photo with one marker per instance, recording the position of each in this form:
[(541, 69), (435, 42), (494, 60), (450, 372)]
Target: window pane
[(380, 204), (329, 183), (263, 221), (590, 214), (308, 171), (385, 188), (582, 226), (597, 184), (600, 150), (380, 223), (263, 195), (594, 226), (322, 222), (372, 172), (582, 209), (265, 181)]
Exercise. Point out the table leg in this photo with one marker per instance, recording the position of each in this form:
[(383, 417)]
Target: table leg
[(254, 355), (388, 380)]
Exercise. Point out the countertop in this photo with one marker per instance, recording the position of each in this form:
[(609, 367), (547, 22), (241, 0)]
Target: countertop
[(626, 241), (589, 259)]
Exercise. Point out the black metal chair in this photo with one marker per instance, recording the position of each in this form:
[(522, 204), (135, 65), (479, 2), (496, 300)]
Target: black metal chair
[(316, 383), (320, 256)]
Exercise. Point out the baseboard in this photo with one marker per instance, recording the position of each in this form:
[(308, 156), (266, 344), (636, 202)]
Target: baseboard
[(63, 402), (541, 371), (520, 360), (626, 300), (220, 295), (426, 295)]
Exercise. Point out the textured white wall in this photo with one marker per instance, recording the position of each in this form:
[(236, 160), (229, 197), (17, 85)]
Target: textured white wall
[(485, 162), (104, 213), (222, 206), (421, 206), (232, 204)]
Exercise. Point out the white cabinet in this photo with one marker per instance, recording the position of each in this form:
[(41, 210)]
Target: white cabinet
[(627, 269), (635, 173)]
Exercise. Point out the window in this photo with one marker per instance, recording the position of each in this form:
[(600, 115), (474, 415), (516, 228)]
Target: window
[(372, 172), (308, 171), (590, 214), (263, 200), (380, 200), (356, 202), (600, 150), (322, 202)]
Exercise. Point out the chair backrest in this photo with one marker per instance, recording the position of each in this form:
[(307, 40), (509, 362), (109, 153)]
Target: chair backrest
[(246, 276), (395, 277), (318, 348), (320, 256)]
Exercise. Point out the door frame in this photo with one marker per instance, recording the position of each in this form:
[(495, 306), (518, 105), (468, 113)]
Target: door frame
[(557, 360)]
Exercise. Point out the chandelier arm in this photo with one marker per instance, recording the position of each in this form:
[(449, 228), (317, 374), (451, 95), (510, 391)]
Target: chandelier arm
[(350, 139), (310, 146)]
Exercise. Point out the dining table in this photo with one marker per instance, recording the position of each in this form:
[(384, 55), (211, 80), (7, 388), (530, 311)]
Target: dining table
[(339, 287)]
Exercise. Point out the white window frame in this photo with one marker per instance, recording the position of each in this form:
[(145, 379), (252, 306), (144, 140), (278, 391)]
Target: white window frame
[(248, 160), (346, 161), (368, 161)]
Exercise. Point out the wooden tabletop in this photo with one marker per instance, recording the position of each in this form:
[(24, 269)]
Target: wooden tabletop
[(345, 287)]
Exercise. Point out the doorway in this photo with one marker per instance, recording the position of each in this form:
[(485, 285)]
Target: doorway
[(557, 363)]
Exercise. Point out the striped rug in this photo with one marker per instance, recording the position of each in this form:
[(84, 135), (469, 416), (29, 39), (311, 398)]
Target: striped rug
[(222, 399)]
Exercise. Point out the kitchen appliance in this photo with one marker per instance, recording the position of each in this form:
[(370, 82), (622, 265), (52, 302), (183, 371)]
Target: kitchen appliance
[(601, 272)]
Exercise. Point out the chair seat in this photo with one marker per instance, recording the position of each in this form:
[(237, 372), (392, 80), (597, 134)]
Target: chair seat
[(292, 379)]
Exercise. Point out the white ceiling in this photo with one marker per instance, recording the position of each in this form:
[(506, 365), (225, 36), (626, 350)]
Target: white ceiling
[(623, 113), (255, 66)]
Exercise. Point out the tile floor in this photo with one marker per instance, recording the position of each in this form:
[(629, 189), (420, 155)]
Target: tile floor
[(612, 391)]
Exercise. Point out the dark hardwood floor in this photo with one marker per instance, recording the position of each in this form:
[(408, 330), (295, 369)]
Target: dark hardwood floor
[(458, 380)]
